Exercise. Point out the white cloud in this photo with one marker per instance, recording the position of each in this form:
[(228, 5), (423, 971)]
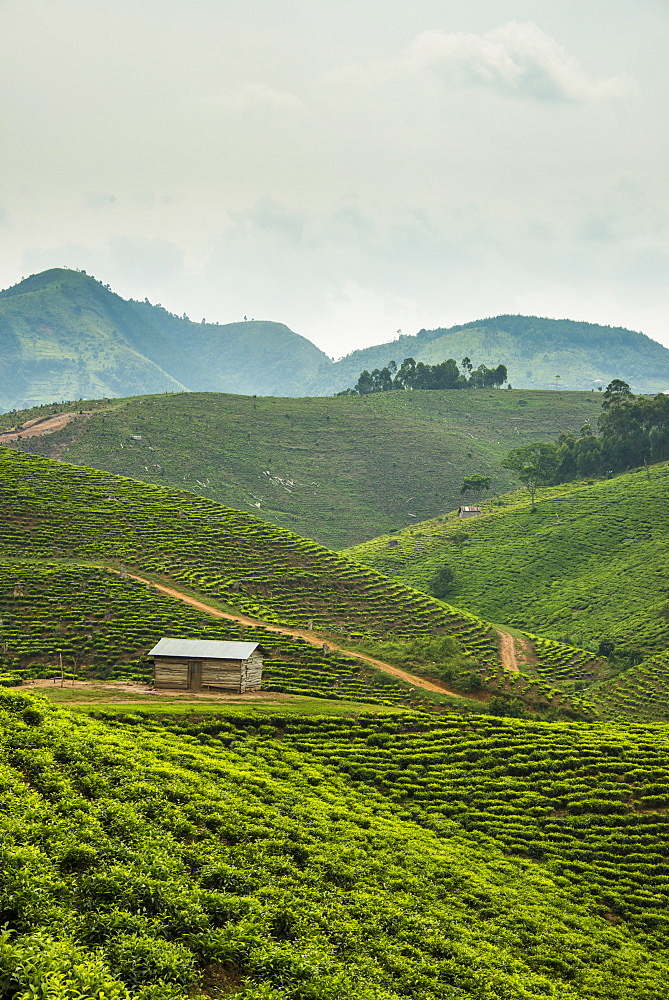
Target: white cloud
[(518, 59), (251, 96)]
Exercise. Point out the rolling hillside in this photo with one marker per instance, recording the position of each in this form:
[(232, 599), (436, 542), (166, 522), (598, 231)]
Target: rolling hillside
[(64, 335), (589, 564), (340, 469), (54, 516), (320, 858), (538, 353)]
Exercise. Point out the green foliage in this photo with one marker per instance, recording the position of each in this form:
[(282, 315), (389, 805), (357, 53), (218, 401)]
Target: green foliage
[(443, 581), (590, 562), (326, 857), (475, 483), (533, 465), (340, 470), (633, 431), (534, 350), (444, 375)]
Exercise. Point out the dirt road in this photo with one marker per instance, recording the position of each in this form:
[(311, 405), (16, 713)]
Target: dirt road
[(310, 637), (507, 651), (38, 427)]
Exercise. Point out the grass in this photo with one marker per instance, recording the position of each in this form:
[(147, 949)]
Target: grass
[(588, 564), (97, 698), (340, 470)]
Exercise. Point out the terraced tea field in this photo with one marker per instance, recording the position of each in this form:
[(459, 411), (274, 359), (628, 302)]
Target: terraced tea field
[(102, 626), (53, 510), (62, 514), (589, 564), (640, 692), (340, 470), (378, 858)]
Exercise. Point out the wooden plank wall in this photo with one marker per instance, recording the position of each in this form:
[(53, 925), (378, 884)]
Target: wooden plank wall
[(223, 675), (170, 672)]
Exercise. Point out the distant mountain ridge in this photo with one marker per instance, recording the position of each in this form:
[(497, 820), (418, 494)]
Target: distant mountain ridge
[(65, 335), (538, 353)]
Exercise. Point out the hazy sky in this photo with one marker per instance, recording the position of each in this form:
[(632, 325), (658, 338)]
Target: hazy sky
[(349, 167)]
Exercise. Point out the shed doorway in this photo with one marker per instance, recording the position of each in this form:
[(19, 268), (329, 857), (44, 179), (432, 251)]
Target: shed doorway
[(195, 675)]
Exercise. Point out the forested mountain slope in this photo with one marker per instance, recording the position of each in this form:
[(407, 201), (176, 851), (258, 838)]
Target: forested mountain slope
[(64, 335), (538, 353), (337, 469), (320, 858), (588, 564)]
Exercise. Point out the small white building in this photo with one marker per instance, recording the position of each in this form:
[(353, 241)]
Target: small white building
[(469, 511), (197, 664)]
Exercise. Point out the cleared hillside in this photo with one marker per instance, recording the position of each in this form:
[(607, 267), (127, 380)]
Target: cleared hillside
[(64, 335), (588, 564), (338, 469), (320, 858), (537, 352)]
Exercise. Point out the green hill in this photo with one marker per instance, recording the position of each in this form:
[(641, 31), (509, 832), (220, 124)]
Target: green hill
[(371, 858), (338, 469), (535, 351), (64, 335), (54, 515), (589, 564)]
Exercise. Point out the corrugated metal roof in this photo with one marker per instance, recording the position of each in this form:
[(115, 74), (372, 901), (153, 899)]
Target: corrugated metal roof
[(471, 508), (204, 649)]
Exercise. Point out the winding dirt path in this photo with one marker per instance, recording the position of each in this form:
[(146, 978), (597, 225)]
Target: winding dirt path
[(507, 651), (311, 637)]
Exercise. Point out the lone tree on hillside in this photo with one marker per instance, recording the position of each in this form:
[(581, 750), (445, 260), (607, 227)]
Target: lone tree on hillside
[(616, 392), (533, 465), (475, 484)]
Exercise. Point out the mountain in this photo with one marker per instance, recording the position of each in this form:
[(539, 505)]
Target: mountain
[(538, 353), (64, 335), (589, 564), (338, 469)]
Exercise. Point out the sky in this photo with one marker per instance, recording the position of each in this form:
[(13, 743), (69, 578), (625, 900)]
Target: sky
[(350, 168)]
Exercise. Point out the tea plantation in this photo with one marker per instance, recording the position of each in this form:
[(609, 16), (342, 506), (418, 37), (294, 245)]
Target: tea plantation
[(53, 510), (374, 858), (588, 564), (340, 470), (99, 625)]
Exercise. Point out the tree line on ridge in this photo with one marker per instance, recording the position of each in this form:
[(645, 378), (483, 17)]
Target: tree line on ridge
[(419, 375)]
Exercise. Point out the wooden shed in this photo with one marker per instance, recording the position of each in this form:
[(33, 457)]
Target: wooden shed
[(468, 511), (203, 664)]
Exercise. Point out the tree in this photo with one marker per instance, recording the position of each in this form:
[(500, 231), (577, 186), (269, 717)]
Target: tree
[(476, 484), (616, 392), (443, 581), (534, 465)]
